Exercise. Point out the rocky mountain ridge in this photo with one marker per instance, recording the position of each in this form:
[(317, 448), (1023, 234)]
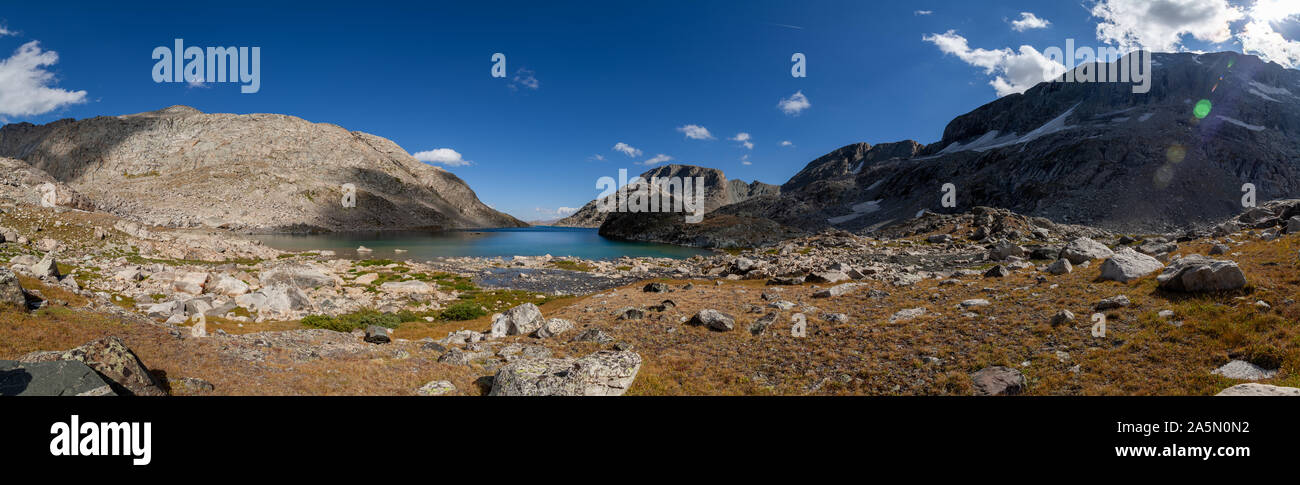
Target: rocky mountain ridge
[(719, 192), (178, 167), (1085, 153)]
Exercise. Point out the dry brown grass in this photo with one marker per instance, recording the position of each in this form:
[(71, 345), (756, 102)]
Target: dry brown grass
[(1141, 354), (62, 328)]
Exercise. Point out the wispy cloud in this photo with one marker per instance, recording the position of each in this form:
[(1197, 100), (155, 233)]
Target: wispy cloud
[(626, 149), (526, 79), (597, 157), (923, 12), (788, 26), (795, 104), (555, 213), (744, 140), (443, 156), (696, 132), (787, 143), (1029, 21), (25, 83), (744, 160), (657, 159)]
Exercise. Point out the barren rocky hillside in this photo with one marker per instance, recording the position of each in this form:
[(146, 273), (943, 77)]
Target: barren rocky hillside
[(179, 167), (719, 192)]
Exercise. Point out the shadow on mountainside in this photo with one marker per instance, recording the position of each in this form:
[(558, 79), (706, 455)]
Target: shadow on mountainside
[(383, 201), (38, 145)]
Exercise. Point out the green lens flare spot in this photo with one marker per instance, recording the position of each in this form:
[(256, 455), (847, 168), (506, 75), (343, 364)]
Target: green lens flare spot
[(1202, 109)]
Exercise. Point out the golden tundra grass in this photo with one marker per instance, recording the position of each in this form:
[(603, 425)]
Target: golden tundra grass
[(1141, 355)]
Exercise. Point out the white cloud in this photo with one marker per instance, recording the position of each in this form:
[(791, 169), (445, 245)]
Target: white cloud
[(923, 12), (745, 160), (24, 83), (795, 104), (1259, 38), (1029, 21), (787, 143), (5, 32), (1015, 72), (744, 140), (555, 213), (628, 150), (597, 157), (1161, 25), (657, 159), (696, 132), (445, 156), (524, 78)]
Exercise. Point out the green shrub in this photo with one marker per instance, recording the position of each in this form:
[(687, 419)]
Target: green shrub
[(462, 311), (352, 321), (366, 318), (326, 322)]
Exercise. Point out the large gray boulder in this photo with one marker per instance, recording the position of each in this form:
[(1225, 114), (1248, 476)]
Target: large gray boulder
[(47, 266), (1196, 273), (838, 290), (1128, 265), (11, 291), (376, 334), (521, 320), (192, 282), (829, 277), (1293, 225), (298, 275), (1244, 371), (227, 285), (1083, 249), (113, 360), (998, 381), (55, 378), (1253, 389), (1060, 267), (715, 320), (276, 300), (1004, 250), (553, 327), (605, 373)]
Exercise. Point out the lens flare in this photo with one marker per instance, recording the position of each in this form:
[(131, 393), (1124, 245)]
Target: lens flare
[(1163, 176), (1176, 153), (1202, 109)]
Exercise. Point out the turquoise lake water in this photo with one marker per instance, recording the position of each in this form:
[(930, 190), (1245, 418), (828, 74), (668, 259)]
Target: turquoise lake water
[(505, 242)]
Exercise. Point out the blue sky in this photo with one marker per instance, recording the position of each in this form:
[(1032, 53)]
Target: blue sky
[(606, 73)]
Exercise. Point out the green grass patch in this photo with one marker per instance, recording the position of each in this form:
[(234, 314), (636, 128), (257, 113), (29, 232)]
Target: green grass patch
[(374, 262), (572, 266), (151, 173)]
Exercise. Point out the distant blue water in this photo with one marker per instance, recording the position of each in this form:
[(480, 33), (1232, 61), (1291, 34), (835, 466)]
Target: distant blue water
[(506, 242)]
